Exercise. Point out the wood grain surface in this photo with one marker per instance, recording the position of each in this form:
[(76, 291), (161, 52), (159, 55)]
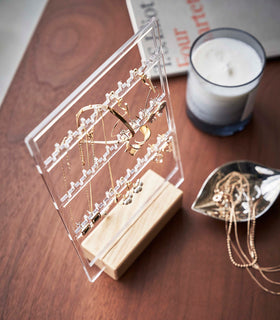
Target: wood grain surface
[(185, 272)]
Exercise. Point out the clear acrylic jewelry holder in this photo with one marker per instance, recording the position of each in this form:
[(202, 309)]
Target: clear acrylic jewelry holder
[(95, 147)]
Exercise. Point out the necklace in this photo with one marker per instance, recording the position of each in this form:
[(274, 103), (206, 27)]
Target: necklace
[(229, 193), (109, 163)]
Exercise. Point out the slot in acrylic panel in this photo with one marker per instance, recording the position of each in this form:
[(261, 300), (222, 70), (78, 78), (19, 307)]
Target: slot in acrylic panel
[(93, 149)]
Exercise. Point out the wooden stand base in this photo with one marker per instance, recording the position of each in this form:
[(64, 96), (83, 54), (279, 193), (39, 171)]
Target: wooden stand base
[(127, 247)]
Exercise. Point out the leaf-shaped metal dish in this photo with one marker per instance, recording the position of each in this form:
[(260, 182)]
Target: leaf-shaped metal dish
[(264, 188)]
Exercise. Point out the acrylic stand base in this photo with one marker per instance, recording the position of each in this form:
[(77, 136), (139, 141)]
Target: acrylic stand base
[(127, 247), (216, 130)]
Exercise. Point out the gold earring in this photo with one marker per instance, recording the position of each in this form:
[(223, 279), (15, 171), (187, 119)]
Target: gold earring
[(96, 217), (133, 148), (158, 111), (146, 80), (122, 119)]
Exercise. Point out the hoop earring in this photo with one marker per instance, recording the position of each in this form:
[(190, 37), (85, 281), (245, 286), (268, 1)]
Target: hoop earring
[(136, 146)]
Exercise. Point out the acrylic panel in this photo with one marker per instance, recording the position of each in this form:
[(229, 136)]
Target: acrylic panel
[(93, 149)]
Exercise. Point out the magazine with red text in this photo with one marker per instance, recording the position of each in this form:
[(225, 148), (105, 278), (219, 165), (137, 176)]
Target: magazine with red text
[(181, 21)]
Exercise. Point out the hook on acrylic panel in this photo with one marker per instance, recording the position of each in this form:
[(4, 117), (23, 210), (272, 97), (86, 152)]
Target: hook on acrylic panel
[(87, 124)]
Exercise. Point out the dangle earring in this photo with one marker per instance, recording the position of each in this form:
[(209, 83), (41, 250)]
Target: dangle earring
[(145, 79)]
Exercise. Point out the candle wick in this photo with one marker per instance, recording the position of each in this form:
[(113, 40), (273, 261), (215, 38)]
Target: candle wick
[(229, 69)]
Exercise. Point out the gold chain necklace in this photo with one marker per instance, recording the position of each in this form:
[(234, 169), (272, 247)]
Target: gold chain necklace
[(109, 163), (229, 193), (86, 163)]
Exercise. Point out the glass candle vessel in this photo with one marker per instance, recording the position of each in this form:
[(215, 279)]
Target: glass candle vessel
[(226, 66)]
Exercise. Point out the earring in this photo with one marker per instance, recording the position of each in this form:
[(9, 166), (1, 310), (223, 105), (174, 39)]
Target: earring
[(136, 146), (159, 157), (122, 119), (96, 217), (145, 79), (166, 147), (158, 112), (127, 199), (137, 186), (148, 82), (85, 229)]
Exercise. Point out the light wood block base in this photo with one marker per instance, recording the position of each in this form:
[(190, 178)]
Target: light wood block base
[(127, 247)]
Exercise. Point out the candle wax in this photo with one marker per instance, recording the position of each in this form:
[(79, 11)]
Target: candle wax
[(227, 62)]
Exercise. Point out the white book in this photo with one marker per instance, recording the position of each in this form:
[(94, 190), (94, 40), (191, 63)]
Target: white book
[(181, 21)]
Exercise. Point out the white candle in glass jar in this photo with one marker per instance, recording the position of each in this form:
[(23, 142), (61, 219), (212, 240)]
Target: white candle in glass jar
[(221, 86)]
